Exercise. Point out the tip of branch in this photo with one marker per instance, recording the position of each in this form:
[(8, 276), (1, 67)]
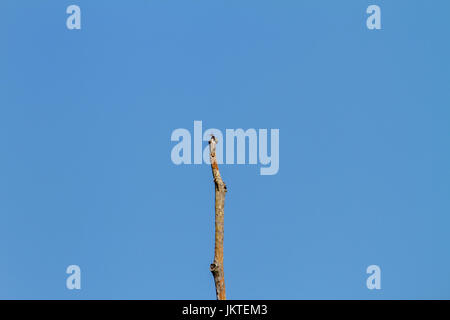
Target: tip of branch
[(213, 139)]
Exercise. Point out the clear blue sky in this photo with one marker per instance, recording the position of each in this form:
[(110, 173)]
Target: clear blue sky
[(86, 176)]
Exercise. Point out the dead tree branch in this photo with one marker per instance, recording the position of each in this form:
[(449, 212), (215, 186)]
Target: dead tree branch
[(220, 188)]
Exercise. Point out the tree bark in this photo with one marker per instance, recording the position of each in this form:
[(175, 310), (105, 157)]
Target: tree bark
[(220, 189)]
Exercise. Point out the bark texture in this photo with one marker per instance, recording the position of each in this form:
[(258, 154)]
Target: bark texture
[(220, 190)]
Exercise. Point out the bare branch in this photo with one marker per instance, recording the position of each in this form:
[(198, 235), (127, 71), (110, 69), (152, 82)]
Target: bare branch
[(220, 188)]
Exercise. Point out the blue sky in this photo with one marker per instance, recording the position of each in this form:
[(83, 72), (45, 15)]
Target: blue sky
[(86, 176)]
